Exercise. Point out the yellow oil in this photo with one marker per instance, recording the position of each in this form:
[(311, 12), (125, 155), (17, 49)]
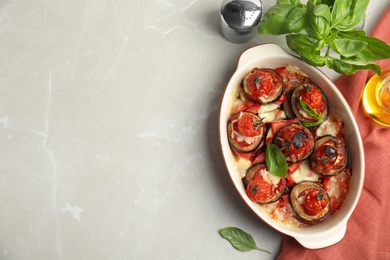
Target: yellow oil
[(376, 98)]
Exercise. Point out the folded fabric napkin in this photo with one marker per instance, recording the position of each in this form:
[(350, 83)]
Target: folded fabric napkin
[(368, 229)]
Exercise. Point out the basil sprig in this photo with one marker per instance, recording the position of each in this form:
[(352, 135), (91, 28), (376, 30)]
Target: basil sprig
[(311, 112), (323, 33), (240, 239), (276, 162)]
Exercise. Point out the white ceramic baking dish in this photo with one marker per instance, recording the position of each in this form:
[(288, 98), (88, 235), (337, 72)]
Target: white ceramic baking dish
[(333, 229)]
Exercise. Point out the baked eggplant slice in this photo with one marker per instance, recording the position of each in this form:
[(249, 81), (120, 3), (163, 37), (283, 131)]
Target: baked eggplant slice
[(310, 201), (292, 77), (329, 156), (246, 132), (295, 141), (262, 186), (287, 105), (309, 103), (263, 85)]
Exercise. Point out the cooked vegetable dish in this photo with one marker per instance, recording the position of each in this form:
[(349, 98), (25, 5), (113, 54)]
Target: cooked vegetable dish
[(307, 177)]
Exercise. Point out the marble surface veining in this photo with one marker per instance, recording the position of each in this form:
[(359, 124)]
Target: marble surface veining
[(108, 131)]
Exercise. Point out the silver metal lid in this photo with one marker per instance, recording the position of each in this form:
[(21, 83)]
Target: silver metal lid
[(239, 19)]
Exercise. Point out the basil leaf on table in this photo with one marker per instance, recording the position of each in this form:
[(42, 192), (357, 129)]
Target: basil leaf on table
[(275, 161), (240, 239)]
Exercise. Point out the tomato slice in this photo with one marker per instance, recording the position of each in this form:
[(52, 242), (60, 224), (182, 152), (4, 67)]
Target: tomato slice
[(249, 125), (326, 155), (263, 187), (329, 156), (314, 201), (259, 190), (295, 141), (245, 132), (314, 98), (263, 85)]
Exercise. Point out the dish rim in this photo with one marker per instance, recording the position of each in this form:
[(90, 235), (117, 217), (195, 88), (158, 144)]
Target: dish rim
[(337, 224)]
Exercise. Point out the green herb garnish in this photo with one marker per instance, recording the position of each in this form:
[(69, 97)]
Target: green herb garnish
[(240, 239), (314, 29), (276, 162), (320, 196), (311, 112), (257, 82)]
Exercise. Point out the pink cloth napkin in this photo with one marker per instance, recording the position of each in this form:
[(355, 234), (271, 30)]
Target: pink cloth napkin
[(368, 229)]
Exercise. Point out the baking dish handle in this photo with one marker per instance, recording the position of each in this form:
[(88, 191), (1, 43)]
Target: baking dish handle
[(323, 241)]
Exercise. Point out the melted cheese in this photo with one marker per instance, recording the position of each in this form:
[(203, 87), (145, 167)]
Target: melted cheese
[(241, 137), (301, 199), (304, 173), (241, 166), (330, 126), (269, 116), (270, 178), (268, 108), (246, 139)]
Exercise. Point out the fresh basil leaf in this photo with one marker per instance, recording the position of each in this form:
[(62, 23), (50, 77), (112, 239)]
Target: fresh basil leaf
[(283, 2), (312, 58), (311, 124), (273, 21), (322, 10), (275, 161), (305, 48), (375, 49), (289, 2), (347, 14), (296, 20), (299, 42), (329, 24), (240, 239), (348, 47), (349, 67), (317, 26), (340, 10), (315, 2), (328, 2), (311, 112), (351, 34)]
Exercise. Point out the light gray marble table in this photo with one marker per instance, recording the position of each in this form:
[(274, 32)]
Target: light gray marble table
[(108, 131)]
